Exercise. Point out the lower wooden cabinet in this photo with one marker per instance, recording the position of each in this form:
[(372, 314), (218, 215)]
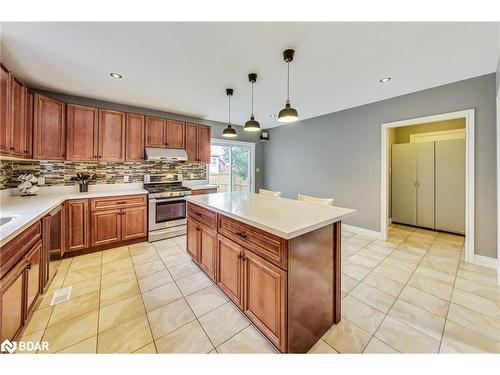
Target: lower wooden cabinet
[(106, 227), (265, 297), (77, 214), (12, 302), (201, 245), (230, 269), (33, 276), (134, 222), (192, 240)]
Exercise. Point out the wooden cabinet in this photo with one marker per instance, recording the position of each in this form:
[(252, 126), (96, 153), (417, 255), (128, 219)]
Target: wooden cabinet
[(207, 256), (134, 147), (33, 276), (77, 213), (265, 297), (192, 238), (198, 141), (17, 117), (155, 132), (134, 222), (203, 191), (12, 302), (230, 269), (106, 227), (49, 134), (111, 135), (175, 134), (4, 109), (28, 125), (118, 219), (82, 132)]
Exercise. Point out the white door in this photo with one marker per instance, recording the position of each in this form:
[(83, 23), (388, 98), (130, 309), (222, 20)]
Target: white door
[(404, 176), (450, 185), (425, 184), (231, 165)]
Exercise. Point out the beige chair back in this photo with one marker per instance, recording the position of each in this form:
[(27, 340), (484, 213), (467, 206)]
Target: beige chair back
[(270, 192), (308, 198)]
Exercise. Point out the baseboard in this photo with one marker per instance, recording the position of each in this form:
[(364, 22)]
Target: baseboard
[(485, 261), (362, 231)]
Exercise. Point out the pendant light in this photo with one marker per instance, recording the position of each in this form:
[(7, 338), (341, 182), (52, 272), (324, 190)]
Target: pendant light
[(288, 114), (252, 125), (229, 131)]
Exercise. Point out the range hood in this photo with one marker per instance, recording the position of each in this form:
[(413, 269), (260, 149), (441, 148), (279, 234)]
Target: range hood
[(158, 153)]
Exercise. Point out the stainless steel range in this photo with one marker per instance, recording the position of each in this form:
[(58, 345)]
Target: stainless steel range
[(167, 206)]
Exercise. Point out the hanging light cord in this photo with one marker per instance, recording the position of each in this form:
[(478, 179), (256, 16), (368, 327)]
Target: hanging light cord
[(229, 121), (252, 98), (288, 82)]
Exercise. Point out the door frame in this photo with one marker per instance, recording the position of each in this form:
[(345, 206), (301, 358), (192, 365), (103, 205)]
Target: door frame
[(498, 185), (250, 145), (468, 115)]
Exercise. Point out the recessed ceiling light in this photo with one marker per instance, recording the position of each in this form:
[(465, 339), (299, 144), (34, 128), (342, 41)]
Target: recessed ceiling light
[(386, 79), (115, 75)]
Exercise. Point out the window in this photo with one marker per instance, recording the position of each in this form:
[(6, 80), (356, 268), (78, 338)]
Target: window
[(231, 165)]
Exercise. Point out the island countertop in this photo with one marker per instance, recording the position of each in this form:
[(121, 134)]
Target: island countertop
[(286, 218)]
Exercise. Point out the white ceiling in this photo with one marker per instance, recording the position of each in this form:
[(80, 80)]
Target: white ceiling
[(185, 67)]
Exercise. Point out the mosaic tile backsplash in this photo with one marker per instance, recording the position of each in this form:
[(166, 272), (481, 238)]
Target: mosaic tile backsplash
[(59, 173)]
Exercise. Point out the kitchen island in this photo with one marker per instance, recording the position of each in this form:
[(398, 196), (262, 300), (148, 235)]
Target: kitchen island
[(277, 259)]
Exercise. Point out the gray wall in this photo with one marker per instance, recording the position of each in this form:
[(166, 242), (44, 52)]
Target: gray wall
[(338, 155), (217, 127)]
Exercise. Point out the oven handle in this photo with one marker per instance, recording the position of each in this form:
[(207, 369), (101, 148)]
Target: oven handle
[(160, 200)]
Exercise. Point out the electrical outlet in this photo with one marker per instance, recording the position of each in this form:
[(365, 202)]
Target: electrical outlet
[(41, 181), (125, 178)]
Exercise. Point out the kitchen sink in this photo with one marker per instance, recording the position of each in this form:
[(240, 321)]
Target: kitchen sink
[(6, 219)]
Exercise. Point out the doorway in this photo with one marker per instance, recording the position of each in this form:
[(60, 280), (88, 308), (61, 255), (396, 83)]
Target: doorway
[(386, 194), (231, 166)]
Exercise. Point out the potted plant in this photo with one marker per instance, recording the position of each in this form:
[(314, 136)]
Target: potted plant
[(83, 180)]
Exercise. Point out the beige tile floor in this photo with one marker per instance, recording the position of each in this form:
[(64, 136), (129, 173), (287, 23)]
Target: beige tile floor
[(411, 294)]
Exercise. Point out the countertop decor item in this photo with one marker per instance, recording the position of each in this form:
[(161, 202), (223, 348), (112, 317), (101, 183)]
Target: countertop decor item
[(83, 180), (28, 186)]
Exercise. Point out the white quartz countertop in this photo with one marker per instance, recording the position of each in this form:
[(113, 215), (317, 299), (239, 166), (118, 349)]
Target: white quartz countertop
[(286, 218), (27, 210)]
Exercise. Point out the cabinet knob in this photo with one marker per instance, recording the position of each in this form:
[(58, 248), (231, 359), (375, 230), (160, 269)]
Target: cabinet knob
[(12, 149), (28, 267), (198, 228), (242, 234)]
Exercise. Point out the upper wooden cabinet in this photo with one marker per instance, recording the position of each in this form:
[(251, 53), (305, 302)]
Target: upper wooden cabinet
[(155, 132), (111, 135), (28, 125), (82, 132), (49, 135), (134, 147), (17, 118), (165, 133), (198, 140), (175, 134), (4, 109)]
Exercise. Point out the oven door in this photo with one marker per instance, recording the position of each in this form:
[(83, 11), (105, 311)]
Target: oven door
[(166, 212)]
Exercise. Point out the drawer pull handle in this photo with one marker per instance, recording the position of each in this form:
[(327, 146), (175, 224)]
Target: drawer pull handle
[(121, 202), (198, 228), (242, 234), (197, 213)]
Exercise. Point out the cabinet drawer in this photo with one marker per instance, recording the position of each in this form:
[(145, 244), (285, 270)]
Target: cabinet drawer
[(114, 202), (202, 215), (267, 245), (14, 250)]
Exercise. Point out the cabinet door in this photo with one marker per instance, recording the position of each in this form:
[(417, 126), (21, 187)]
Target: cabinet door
[(49, 142), (33, 278), (193, 239), (230, 269), (175, 134), (12, 302), (134, 222), (82, 132), (135, 137), (28, 125), (425, 184), (111, 135), (265, 296), (155, 132), (192, 141), (204, 141), (4, 109), (17, 113), (106, 227), (208, 251), (77, 227)]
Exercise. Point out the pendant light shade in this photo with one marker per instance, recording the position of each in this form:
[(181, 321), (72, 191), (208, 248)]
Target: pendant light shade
[(288, 114), (252, 125), (229, 131)]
